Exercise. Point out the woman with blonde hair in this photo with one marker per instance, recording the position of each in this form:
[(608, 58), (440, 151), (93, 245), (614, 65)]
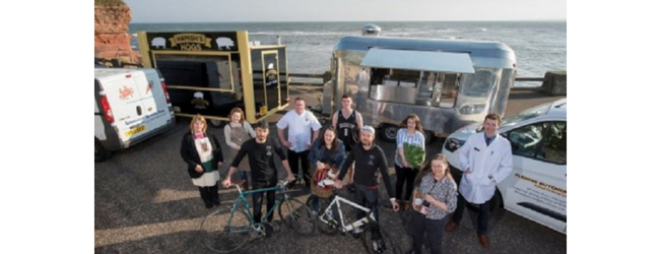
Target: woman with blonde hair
[(435, 197), (238, 131), (203, 154)]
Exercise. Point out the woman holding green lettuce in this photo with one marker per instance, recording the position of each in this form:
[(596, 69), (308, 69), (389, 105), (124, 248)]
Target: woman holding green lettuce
[(410, 153)]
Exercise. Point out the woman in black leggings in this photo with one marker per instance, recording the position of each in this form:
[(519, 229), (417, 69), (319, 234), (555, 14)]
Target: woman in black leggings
[(409, 137)]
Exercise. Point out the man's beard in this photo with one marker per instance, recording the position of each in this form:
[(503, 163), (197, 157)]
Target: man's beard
[(367, 143)]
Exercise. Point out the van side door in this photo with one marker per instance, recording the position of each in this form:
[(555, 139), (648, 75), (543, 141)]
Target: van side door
[(537, 189)]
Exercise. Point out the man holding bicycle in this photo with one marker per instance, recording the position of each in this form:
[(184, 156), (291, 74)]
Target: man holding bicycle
[(369, 158), (260, 152)]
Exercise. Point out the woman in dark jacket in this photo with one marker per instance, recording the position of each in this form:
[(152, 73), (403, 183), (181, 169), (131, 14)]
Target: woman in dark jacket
[(203, 154), (327, 152)]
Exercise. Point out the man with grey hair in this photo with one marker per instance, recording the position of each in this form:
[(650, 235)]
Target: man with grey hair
[(369, 161)]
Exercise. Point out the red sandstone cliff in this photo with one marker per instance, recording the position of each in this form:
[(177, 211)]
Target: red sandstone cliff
[(111, 38)]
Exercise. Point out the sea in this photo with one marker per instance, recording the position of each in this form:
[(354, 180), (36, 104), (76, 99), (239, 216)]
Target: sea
[(540, 46)]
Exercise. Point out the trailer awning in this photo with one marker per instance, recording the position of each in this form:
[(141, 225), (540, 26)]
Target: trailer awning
[(418, 60)]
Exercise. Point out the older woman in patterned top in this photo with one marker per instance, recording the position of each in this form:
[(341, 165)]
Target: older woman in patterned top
[(435, 197), (203, 155)]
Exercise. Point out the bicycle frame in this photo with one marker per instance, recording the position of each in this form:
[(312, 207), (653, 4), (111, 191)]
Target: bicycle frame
[(336, 202), (241, 198)]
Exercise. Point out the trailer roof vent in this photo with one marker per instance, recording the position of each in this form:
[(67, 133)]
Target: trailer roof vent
[(370, 30)]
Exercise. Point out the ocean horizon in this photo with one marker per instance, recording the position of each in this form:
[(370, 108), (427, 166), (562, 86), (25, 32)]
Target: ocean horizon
[(540, 46)]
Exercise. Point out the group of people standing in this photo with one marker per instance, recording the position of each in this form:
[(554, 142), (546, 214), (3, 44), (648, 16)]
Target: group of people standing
[(347, 145)]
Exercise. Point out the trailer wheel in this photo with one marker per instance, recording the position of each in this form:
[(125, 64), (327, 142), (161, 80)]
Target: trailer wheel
[(428, 137), (387, 132), (100, 153)]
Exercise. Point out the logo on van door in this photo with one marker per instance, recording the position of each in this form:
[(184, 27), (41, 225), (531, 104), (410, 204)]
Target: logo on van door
[(125, 92)]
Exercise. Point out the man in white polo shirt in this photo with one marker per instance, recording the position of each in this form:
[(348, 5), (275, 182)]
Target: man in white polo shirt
[(301, 124)]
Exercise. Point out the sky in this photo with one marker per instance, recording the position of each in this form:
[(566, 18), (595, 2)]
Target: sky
[(174, 11)]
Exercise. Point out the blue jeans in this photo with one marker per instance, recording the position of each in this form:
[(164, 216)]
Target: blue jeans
[(368, 198)]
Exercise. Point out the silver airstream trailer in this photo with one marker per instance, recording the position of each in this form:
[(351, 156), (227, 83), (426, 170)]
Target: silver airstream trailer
[(447, 83)]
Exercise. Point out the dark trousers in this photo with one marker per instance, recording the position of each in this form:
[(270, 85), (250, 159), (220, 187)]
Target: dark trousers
[(404, 176), (432, 228), (300, 159), (209, 194), (482, 218), (257, 199), (368, 198)]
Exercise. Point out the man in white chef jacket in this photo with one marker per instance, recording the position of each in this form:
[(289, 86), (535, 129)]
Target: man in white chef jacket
[(487, 159)]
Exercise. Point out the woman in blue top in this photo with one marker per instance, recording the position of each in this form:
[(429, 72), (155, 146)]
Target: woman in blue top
[(326, 153)]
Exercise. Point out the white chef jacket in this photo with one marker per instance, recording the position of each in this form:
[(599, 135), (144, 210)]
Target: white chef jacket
[(494, 160)]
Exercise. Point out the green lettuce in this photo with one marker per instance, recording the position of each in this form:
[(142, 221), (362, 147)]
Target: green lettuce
[(415, 155)]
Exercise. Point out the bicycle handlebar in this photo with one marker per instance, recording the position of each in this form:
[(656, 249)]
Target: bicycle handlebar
[(237, 184)]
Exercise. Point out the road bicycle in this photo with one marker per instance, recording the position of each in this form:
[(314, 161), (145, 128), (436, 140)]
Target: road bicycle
[(334, 217), (224, 232)]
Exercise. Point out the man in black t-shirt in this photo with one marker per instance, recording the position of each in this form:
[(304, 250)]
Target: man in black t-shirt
[(260, 151)]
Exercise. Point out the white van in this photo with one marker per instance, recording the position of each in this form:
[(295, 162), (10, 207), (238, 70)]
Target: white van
[(536, 188), (130, 106)]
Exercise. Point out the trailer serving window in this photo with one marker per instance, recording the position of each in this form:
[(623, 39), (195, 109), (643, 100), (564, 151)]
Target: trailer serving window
[(416, 77)]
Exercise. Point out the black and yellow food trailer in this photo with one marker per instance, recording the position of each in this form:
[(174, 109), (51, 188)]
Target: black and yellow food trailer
[(209, 73)]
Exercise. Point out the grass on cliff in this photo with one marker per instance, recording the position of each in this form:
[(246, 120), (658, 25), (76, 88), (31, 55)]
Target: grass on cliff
[(109, 3)]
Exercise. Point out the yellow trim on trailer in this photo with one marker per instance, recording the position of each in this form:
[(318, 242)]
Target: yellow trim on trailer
[(144, 47), (264, 68), (205, 116), (198, 88), (246, 75), (268, 47)]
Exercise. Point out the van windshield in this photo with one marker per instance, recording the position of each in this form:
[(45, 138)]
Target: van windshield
[(526, 114)]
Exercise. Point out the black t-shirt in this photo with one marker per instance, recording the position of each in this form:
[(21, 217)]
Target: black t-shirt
[(368, 165), (347, 129), (260, 156)]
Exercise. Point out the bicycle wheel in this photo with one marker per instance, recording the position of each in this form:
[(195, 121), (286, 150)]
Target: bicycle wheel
[(388, 244), (222, 235), (329, 228), (297, 216)]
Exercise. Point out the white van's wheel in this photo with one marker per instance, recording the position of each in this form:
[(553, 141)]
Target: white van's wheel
[(216, 123), (387, 132), (100, 154)]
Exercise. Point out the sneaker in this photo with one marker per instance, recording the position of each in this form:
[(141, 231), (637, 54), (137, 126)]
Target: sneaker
[(269, 229), (378, 246)]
